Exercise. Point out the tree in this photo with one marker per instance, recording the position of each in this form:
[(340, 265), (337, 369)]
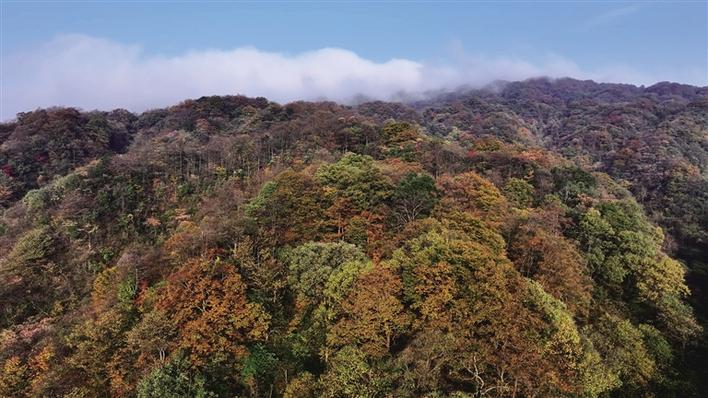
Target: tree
[(289, 208), (467, 296), (454, 247), (357, 179), (27, 273), (372, 314), (174, 380), (350, 375), (258, 369), (152, 337), (302, 386), (472, 193), (92, 345), (596, 237), (622, 245), (554, 262), (207, 303), (571, 182), (425, 361), (621, 345), (14, 379), (264, 275), (560, 340), (662, 285), (519, 192), (414, 196), (399, 132), (312, 264), (321, 275)]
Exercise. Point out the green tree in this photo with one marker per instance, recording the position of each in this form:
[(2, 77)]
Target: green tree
[(258, 369), (321, 276), (414, 197), (623, 251), (174, 380), (622, 348), (572, 182), (31, 280), (351, 375), (311, 265), (357, 179), (289, 208), (519, 192)]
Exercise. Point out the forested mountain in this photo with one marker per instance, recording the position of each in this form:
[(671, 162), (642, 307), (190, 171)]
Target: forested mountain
[(530, 239)]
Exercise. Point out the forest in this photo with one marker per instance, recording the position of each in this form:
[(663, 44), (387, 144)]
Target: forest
[(544, 238)]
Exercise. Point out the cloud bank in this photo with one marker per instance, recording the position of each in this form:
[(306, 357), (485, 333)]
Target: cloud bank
[(94, 73)]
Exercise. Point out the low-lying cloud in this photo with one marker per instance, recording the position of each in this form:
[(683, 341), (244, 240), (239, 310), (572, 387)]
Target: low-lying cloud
[(95, 73)]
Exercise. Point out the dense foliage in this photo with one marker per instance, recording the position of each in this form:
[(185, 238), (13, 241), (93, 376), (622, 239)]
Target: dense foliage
[(532, 239)]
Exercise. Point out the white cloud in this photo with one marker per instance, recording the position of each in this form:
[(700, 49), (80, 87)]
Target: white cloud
[(94, 73)]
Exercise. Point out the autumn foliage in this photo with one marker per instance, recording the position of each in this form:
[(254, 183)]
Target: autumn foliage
[(542, 240)]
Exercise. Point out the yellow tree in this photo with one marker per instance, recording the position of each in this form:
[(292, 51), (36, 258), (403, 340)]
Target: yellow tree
[(14, 378), (373, 315), (471, 193), (207, 302)]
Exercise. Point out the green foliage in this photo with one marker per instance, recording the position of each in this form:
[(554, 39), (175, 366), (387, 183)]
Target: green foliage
[(562, 334), (595, 376), (519, 192), (31, 248), (596, 235), (36, 199), (414, 197), (288, 207), (259, 365), (465, 245), (350, 375), (313, 264), (261, 201), (618, 240), (624, 353), (573, 182), (321, 275), (174, 380), (127, 290), (32, 280), (356, 179)]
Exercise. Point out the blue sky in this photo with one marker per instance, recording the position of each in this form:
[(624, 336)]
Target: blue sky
[(67, 53)]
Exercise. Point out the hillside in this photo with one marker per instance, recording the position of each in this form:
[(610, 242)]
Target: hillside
[(537, 238)]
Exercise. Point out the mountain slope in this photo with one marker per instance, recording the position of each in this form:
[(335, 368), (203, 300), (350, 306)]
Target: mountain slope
[(491, 242)]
